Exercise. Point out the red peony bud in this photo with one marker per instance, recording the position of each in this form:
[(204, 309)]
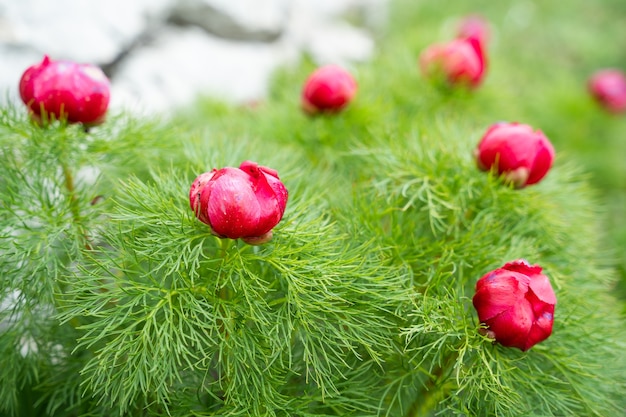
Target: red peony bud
[(608, 88), (474, 26), (459, 62), (62, 89), (521, 155), (516, 302), (328, 89), (245, 202)]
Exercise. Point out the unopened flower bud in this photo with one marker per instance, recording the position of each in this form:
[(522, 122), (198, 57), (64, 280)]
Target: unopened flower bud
[(245, 202), (608, 88), (460, 62), (474, 26), (516, 303), (78, 93), (517, 152), (328, 89)]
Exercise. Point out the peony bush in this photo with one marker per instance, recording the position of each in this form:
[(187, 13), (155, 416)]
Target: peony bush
[(400, 264)]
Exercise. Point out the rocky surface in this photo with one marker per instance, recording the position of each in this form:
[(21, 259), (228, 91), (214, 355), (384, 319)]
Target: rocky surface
[(161, 54)]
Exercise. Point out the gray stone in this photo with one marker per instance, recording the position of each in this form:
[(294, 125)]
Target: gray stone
[(338, 43), (251, 20), (185, 63), (94, 31), (162, 54), (319, 28), (14, 61), (370, 14)]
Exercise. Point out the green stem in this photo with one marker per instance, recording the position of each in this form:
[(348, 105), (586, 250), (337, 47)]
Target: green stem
[(224, 295), (223, 292), (76, 219), (435, 390), (69, 186), (74, 207), (225, 245)]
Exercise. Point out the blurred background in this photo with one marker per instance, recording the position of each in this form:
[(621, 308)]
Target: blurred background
[(161, 54)]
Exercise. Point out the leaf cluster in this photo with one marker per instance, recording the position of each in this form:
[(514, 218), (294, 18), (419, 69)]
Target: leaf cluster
[(165, 299)]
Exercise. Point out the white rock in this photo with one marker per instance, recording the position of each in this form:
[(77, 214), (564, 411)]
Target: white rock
[(317, 28), (340, 44), (184, 63), (256, 20), (370, 13), (94, 31), (14, 63)]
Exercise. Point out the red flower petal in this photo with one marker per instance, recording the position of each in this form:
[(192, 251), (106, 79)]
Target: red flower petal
[(544, 157), (474, 26), (194, 195), (513, 325), (63, 89), (516, 302), (328, 89), (232, 207), (540, 330), (540, 286), (459, 62), (497, 292), (608, 87), (522, 155), (245, 202), (523, 267)]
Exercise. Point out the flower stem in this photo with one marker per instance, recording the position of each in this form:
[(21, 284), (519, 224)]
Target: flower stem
[(223, 293), (225, 245), (74, 207), (69, 185)]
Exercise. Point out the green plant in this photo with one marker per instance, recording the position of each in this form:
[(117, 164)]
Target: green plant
[(116, 300)]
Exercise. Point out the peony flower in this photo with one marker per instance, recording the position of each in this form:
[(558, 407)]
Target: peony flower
[(78, 93), (459, 62), (245, 202), (515, 151), (516, 303), (608, 88), (328, 89), (474, 26)]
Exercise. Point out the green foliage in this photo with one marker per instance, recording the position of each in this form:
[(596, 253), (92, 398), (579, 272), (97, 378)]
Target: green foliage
[(116, 301), (159, 307), (540, 58)]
